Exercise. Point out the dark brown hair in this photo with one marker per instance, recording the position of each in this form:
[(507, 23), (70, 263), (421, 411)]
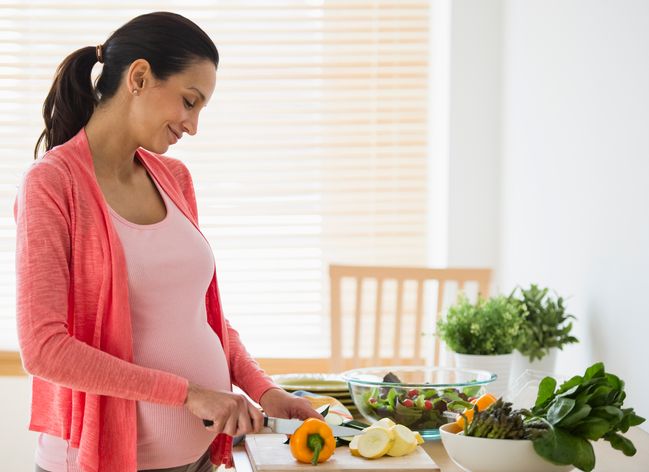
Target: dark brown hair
[(168, 41)]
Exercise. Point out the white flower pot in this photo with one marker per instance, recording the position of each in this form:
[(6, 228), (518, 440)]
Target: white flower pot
[(522, 363), (500, 365)]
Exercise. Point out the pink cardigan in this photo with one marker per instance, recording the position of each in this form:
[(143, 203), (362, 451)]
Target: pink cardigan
[(74, 324)]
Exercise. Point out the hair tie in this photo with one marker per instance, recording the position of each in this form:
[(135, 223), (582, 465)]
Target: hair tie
[(99, 51)]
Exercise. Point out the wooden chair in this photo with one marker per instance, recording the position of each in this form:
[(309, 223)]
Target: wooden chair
[(426, 288)]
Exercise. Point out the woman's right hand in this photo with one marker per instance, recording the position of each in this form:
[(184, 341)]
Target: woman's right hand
[(231, 413)]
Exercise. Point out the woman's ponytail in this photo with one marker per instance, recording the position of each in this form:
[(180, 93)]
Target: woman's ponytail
[(71, 100)]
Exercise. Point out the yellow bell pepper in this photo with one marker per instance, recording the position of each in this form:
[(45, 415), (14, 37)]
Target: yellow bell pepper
[(313, 442)]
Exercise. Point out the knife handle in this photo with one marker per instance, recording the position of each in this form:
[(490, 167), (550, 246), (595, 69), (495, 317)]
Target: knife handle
[(209, 423)]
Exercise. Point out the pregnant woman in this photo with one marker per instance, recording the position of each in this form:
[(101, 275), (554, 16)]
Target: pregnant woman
[(119, 317)]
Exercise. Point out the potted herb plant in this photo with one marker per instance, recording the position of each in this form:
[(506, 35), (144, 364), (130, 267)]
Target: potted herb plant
[(546, 328), (483, 336)]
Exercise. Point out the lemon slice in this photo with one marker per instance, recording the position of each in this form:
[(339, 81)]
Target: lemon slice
[(420, 440), (353, 446), (404, 442), (375, 442)]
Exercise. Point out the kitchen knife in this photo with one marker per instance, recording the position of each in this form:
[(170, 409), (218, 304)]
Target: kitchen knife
[(284, 426)]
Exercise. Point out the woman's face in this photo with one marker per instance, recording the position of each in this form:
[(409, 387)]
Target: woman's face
[(164, 110)]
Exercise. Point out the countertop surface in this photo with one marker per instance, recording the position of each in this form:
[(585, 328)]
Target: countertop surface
[(607, 458)]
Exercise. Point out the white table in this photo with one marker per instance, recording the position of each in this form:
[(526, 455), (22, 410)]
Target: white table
[(607, 458)]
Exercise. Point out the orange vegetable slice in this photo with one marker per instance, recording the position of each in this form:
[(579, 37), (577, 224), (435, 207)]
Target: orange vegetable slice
[(483, 402)]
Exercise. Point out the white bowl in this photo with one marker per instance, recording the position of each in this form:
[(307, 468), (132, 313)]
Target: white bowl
[(494, 455)]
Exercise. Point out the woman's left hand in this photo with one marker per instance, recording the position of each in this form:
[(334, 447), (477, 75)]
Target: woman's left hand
[(281, 404)]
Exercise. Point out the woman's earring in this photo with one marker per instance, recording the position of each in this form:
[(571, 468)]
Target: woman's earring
[(134, 91)]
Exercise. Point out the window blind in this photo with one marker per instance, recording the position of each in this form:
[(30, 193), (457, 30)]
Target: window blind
[(311, 151)]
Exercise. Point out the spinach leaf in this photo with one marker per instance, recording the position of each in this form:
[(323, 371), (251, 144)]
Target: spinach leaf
[(546, 390), (614, 382), (560, 409), (570, 392), (621, 443), (585, 456), (629, 419), (595, 370), (611, 414), (568, 384), (575, 416), (583, 409), (561, 447), (592, 428), (556, 446)]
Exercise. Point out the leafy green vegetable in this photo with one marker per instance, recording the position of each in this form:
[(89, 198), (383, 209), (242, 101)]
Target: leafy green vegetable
[(563, 448), (473, 391), (546, 390), (564, 420), (459, 406), (621, 443), (585, 408), (560, 409)]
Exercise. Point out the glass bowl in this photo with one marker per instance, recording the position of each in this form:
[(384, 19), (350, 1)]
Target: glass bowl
[(422, 398)]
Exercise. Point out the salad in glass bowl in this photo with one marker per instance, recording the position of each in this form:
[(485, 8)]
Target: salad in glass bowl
[(421, 398)]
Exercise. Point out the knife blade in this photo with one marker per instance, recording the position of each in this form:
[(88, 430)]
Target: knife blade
[(285, 426)]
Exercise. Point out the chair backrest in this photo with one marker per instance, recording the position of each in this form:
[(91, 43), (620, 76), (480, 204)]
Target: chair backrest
[(354, 319)]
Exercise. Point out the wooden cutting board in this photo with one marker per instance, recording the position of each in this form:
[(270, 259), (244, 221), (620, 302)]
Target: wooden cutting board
[(268, 453)]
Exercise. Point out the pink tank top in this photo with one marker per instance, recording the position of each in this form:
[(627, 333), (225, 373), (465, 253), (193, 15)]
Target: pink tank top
[(170, 266)]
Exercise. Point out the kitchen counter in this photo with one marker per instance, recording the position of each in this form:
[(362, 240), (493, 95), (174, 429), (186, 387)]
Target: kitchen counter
[(608, 459)]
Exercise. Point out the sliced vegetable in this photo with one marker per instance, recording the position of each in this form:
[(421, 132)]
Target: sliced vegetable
[(404, 441), (386, 422), (353, 446), (388, 429), (385, 437), (375, 442)]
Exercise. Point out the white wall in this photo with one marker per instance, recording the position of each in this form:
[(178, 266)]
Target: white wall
[(575, 201), (17, 444), (474, 133)]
